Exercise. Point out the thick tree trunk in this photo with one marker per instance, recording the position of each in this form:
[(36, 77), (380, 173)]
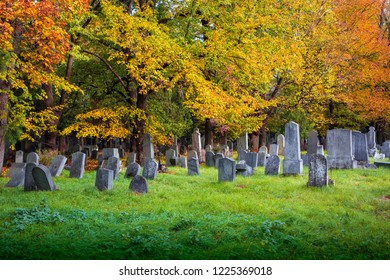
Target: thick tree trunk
[(139, 129), (209, 131), (263, 133), (255, 141), (4, 109), (50, 136)]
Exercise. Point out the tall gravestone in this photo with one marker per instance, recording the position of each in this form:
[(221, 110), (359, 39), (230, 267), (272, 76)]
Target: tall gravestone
[(193, 166), (150, 169), (312, 142), (272, 167), (242, 142), (104, 179), (371, 141), (273, 150), (196, 143), (139, 184), (77, 165), (19, 156), (57, 165), (292, 163), (318, 171), (360, 149), (281, 143), (226, 169), (339, 146), (148, 150)]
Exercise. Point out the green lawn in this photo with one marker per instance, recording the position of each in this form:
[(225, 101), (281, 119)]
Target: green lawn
[(195, 217)]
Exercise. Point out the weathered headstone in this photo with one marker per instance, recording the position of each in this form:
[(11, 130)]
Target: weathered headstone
[(371, 141), (32, 157), (193, 166), (226, 169), (57, 165), (182, 162), (281, 143), (242, 155), (192, 154), (217, 157), (29, 183), (150, 169), (15, 168), (292, 163), (312, 142), (210, 158), (17, 179), (148, 149), (339, 146), (110, 152), (252, 159), (272, 167), (170, 153), (262, 159), (243, 169), (19, 156), (114, 164), (318, 171), (43, 179), (104, 179), (132, 170), (131, 158), (242, 142), (263, 149), (77, 165), (139, 184), (385, 149), (359, 147), (273, 150)]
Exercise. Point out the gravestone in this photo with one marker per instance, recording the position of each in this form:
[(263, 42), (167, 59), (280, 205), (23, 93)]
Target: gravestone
[(262, 159), (305, 159), (242, 155), (217, 157), (133, 169), (292, 163), (252, 159), (148, 150), (281, 143), (19, 156), (359, 147), (104, 179), (139, 184), (320, 150), (385, 149), (272, 167), (312, 142), (210, 158), (243, 169), (192, 154), (175, 146), (170, 153), (193, 166), (182, 162), (77, 165), (150, 169), (29, 183), (273, 150), (371, 141), (15, 168), (339, 145), (109, 152), (318, 171), (57, 165), (32, 157), (17, 179), (196, 144), (114, 164), (263, 149), (226, 169), (209, 148), (43, 179), (242, 142), (131, 158)]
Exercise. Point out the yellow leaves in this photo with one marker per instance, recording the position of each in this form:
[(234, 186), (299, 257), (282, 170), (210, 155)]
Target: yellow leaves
[(37, 123)]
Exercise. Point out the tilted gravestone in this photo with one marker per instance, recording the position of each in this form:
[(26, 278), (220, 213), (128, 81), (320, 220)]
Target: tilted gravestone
[(43, 179), (262, 159), (182, 162), (242, 142), (57, 165), (196, 144), (210, 158), (29, 183), (104, 179), (359, 147), (133, 169), (32, 157), (252, 159), (17, 179), (15, 168), (272, 167), (292, 163), (114, 164), (139, 184), (77, 165), (280, 141), (193, 166), (226, 169), (339, 146), (150, 169), (318, 171), (19, 156), (217, 157), (170, 153), (312, 142), (273, 150), (132, 157)]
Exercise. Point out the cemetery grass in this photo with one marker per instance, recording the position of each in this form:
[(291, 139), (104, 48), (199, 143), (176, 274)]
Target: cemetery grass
[(195, 217)]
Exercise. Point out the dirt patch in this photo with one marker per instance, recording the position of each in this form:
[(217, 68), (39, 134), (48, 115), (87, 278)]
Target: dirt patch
[(386, 197)]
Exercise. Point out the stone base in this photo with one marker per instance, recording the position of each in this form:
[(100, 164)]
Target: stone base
[(341, 163), (293, 167)]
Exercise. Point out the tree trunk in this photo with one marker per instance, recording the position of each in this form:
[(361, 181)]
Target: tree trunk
[(50, 136), (139, 129), (4, 109), (209, 131), (255, 141)]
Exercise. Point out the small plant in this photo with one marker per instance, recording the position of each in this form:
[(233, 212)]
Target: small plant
[(46, 156)]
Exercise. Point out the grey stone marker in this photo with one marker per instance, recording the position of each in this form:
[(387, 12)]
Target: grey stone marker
[(16, 167), (196, 144), (243, 169), (148, 150), (262, 159), (150, 169), (226, 169), (193, 166), (182, 162), (320, 149), (32, 157), (192, 154), (131, 158), (385, 149), (77, 165), (133, 169), (252, 159), (263, 149), (210, 158), (17, 179), (104, 179), (318, 171), (29, 183), (110, 152), (281, 143), (217, 157), (371, 141), (114, 164), (312, 142), (292, 163), (242, 155), (273, 150), (43, 179), (139, 184), (171, 153), (19, 156), (359, 147), (242, 142), (339, 145), (57, 165), (272, 166)]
